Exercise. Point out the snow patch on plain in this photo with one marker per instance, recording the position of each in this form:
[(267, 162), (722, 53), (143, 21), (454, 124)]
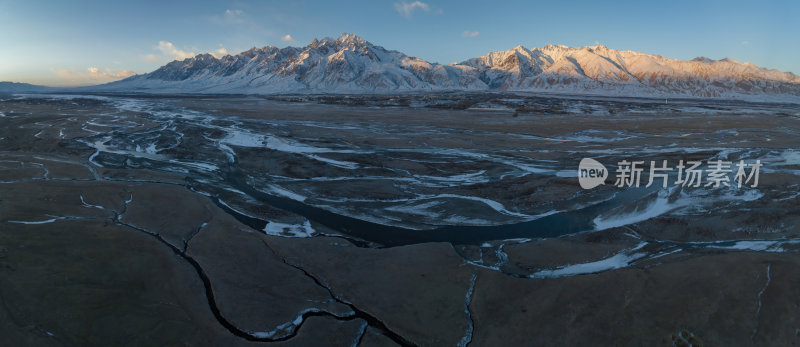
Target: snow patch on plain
[(619, 260), (290, 230)]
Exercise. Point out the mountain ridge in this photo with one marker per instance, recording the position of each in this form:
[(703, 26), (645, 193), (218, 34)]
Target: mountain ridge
[(351, 64)]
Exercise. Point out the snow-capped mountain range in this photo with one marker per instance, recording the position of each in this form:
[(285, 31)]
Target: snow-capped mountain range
[(351, 64)]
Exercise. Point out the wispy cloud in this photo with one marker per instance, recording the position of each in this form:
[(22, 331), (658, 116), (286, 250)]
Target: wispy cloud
[(470, 34), (168, 49), (745, 43), (287, 38), (220, 52), (246, 22), (92, 75), (234, 16), (407, 9)]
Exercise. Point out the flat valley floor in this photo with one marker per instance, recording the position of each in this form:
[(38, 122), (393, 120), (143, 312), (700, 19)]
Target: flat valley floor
[(425, 220)]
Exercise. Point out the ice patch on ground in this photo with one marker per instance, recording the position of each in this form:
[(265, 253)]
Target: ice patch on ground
[(619, 260), (290, 230), (196, 165), (243, 139), (285, 328), (277, 190), (150, 149), (491, 203), (462, 179), (687, 201), (233, 209), (85, 204), (337, 163), (283, 145), (756, 245), (656, 208), (228, 152), (35, 222), (247, 139), (417, 209), (791, 157), (101, 146), (775, 161)]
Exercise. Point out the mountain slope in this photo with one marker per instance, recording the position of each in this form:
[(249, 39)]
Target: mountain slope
[(15, 87), (351, 64)]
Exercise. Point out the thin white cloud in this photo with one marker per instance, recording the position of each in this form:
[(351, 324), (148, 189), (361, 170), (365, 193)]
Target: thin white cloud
[(93, 75), (406, 9), (109, 73), (169, 50), (234, 16), (287, 38), (244, 22), (745, 43), (470, 34), (220, 52)]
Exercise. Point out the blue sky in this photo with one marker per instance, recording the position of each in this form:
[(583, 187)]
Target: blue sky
[(90, 42)]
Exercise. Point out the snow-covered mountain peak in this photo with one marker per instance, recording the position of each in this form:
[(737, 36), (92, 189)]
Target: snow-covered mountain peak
[(520, 48), (352, 39), (351, 64), (703, 60)]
